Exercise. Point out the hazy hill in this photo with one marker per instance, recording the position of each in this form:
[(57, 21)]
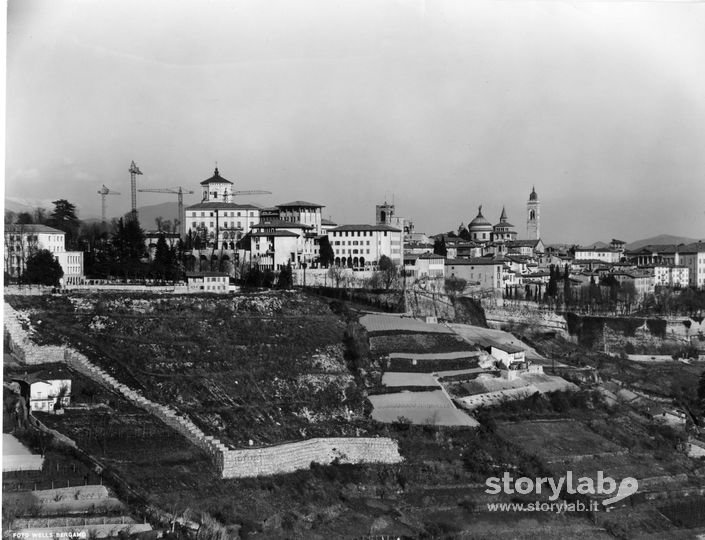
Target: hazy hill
[(147, 214), (660, 239)]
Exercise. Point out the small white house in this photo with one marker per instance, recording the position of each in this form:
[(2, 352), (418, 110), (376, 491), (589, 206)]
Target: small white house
[(506, 353), (42, 393), (209, 282)]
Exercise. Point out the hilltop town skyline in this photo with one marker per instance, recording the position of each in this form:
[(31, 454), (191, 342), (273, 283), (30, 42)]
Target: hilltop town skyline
[(438, 106)]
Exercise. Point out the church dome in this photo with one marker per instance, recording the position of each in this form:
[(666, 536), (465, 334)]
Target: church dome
[(479, 223), (533, 196)]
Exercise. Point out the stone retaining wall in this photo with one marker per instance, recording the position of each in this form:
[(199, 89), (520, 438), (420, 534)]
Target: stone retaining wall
[(285, 458), (231, 463), (20, 344), (544, 320), (256, 461)]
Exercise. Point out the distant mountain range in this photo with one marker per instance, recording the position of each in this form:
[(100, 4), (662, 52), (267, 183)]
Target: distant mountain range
[(661, 239)]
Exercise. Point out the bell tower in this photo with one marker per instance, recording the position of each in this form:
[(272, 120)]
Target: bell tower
[(533, 207)]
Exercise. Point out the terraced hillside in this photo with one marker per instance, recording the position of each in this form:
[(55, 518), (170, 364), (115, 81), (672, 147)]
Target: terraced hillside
[(260, 368)]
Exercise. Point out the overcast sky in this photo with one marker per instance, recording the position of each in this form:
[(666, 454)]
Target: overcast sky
[(442, 105)]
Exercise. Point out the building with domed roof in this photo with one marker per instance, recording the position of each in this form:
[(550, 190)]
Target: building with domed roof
[(480, 229), (503, 231)]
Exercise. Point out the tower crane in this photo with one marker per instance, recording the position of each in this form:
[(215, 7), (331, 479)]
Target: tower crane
[(103, 192), (134, 171), (178, 191), (250, 192)]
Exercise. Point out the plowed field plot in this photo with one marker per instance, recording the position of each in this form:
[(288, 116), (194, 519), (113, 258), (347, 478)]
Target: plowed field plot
[(433, 362), (542, 383), (244, 367), (432, 408), (688, 514), (383, 345), (556, 440), (389, 324), (408, 379), (617, 466)]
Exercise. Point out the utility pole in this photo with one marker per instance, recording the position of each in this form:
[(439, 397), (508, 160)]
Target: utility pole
[(134, 171)]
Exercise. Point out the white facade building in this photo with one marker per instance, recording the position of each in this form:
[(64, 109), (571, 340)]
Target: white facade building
[(363, 245), (693, 257), (207, 282), (606, 255), (216, 218), (670, 276), (21, 241), (307, 213), (276, 243)]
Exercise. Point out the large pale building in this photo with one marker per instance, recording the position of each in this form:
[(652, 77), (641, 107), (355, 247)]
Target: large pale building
[(21, 241), (693, 257), (216, 218), (275, 243), (358, 246), (485, 273), (304, 212)]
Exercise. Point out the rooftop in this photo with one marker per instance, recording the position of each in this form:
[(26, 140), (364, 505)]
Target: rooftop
[(523, 243), (206, 274), (274, 233), (365, 228), (222, 206), (216, 178), (32, 228), (475, 262), (300, 204), (281, 224)]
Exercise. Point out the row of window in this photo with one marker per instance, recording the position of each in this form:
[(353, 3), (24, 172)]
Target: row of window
[(351, 252), (225, 214), (356, 233), (350, 242)]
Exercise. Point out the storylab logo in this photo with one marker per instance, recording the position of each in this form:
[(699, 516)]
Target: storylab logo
[(584, 485)]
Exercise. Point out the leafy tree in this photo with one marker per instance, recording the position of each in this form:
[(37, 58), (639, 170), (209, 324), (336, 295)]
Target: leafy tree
[(43, 268), (566, 285), (701, 392), (463, 232), (164, 264), (552, 287), (65, 219), (439, 247), (326, 253), (24, 218), (388, 270), (129, 240), (455, 286), (286, 277)]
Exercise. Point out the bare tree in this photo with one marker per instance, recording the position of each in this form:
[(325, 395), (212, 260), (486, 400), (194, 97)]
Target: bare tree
[(337, 274)]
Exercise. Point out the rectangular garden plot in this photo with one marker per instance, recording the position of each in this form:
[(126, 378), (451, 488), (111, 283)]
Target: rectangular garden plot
[(557, 440), (431, 408)]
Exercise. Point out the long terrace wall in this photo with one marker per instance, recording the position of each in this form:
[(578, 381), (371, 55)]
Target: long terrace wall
[(20, 344), (285, 458), (231, 463), (531, 315)]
